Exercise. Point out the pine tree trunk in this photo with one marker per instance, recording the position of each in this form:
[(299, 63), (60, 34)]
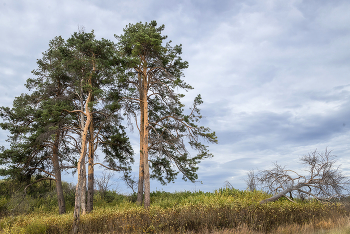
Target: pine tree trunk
[(90, 195), (83, 189), (80, 170), (82, 125), (141, 177), (145, 144), (141, 167), (57, 170)]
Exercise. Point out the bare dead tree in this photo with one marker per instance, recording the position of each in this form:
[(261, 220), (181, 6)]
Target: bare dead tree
[(323, 181), (228, 184), (251, 181), (103, 183)]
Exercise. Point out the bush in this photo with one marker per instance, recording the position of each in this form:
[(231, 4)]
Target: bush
[(39, 197)]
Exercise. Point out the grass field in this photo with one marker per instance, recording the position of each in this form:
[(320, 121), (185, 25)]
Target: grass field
[(223, 211)]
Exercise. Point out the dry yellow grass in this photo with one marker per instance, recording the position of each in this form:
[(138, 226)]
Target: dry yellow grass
[(330, 226), (226, 211)]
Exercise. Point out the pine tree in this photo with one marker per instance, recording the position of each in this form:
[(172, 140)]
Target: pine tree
[(74, 81), (155, 71), (92, 66), (37, 121)]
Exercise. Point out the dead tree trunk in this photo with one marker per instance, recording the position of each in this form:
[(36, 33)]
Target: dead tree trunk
[(282, 194), (323, 181)]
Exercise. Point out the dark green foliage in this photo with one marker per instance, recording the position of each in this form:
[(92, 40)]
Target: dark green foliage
[(36, 120), (90, 59), (40, 119), (93, 65), (115, 144)]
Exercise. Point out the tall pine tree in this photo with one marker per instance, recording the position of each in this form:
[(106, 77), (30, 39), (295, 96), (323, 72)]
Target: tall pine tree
[(154, 72), (37, 123), (92, 66)]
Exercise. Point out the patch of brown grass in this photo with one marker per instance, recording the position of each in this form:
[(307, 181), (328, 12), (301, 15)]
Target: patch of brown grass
[(340, 225)]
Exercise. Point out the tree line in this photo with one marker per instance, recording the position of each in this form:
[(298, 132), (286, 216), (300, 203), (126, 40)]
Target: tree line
[(81, 91)]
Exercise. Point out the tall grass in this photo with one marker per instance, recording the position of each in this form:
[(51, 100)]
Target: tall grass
[(199, 212)]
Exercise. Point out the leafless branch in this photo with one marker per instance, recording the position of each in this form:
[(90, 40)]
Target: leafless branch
[(323, 180)]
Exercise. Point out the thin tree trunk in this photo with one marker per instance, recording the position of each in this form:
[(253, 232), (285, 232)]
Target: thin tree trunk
[(145, 142), (141, 175), (82, 125), (56, 166), (141, 167), (57, 170), (83, 189), (90, 195)]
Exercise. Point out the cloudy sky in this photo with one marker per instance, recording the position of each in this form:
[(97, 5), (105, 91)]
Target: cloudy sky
[(274, 75)]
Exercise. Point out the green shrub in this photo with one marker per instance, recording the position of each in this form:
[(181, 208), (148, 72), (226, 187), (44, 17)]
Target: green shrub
[(36, 228)]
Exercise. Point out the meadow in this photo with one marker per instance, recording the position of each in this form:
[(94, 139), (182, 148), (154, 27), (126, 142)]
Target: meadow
[(226, 210)]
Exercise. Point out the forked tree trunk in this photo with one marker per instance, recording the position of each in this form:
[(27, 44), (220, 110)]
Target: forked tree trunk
[(90, 195), (80, 170), (57, 170)]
